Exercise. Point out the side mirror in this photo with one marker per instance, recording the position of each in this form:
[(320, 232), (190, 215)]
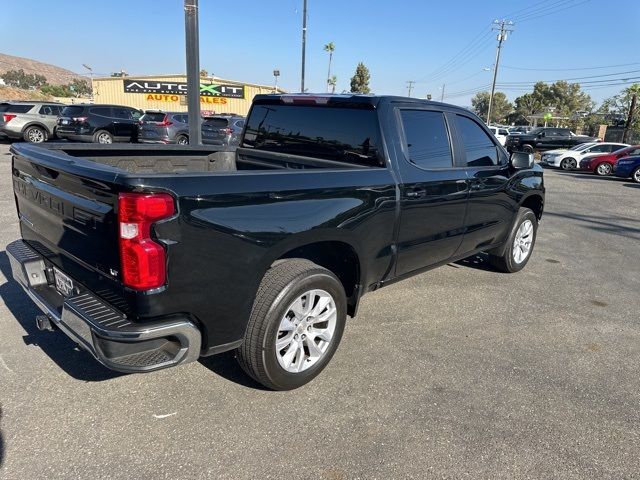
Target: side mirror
[(521, 160)]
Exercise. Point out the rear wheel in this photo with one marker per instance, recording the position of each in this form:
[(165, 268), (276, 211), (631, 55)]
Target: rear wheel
[(603, 169), (295, 326), (520, 243), (102, 136), (527, 148), (568, 164), (35, 135), (635, 176), (182, 140)]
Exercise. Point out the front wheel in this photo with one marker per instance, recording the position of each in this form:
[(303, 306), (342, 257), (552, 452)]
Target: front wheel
[(520, 243), (635, 176), (568, 164), (295, 326), (604, 169)]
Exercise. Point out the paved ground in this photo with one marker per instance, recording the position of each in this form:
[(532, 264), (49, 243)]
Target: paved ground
[(460, 372)]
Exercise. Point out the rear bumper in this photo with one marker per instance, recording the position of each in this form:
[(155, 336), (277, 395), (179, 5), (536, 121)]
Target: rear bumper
[(113, 339)]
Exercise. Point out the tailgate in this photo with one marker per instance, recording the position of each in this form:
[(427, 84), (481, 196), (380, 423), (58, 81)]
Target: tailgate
[(66, 211)]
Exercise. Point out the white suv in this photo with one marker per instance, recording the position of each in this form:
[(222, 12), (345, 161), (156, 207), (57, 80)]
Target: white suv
[(570, 159)]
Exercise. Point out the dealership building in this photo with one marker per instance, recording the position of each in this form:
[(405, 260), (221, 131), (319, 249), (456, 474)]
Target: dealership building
[(168, 92)]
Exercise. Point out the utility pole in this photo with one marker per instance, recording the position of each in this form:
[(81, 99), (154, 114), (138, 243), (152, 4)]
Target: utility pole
[(304, 42), (442, 96), (193, 70), (410, 86), (505, 28), (627, 126)]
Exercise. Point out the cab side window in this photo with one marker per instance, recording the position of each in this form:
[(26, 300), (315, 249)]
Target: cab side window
[(478, 146), (427, 138)]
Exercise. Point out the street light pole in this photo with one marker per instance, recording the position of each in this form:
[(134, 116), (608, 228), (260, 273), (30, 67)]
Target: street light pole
[(304, 42), (193, 70)]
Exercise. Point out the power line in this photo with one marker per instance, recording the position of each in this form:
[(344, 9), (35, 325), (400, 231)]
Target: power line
[(569, 69), (534, 17), (585, 79), (534, 10)]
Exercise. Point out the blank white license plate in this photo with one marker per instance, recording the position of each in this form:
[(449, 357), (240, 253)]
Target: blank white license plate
[(64, 284)]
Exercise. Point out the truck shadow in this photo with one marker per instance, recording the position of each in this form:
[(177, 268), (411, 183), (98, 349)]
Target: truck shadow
[(62, 350), (226, 366)]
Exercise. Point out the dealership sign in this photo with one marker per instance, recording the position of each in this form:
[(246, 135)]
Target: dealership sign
[(180, 88)]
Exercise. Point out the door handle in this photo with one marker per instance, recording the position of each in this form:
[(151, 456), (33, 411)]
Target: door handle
[(476, 186), (416, 193)]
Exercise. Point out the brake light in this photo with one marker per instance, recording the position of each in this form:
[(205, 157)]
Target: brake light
[(80, 119), (142, 259), (165, 121), (7, 117), (227, 131)]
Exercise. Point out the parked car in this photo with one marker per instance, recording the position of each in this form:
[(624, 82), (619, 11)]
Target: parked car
[(628, 167), (222, 130), (33, 122), (570, 159), (500, 133), (99, 123), (265, 248), (164, 127), (543, 138), (603, 164)]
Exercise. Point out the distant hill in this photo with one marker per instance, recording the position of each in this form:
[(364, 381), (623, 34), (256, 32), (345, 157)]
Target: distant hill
[(55, 75)]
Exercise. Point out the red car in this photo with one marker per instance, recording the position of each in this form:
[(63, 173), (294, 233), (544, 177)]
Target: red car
[(603, 164)]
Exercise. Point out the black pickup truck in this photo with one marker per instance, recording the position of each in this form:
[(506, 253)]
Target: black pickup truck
[(150, 257), (544, 138)]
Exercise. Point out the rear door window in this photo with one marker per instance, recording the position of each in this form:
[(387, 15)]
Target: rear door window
[(72, 111), (427, 138), (102, 111), (124, 113), (50, 110), (218, 122), (343, 134), (153, 117), (478, 147)]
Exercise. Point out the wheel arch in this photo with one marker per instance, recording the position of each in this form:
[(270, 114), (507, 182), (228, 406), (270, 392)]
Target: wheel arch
[(37, 124), (337, 256), (534, 202)]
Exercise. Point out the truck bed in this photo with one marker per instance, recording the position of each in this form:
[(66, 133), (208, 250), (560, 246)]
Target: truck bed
[(176, 159)]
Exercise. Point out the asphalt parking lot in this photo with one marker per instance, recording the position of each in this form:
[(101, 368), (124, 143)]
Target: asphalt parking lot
[(461, 372)]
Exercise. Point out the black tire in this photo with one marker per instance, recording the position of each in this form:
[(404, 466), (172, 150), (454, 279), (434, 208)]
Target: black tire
[(603, 169), (281, 285), (635, 176), (102, 136), (182, 140), (568, 164), (527, 148), (506, 262), (35, 134)]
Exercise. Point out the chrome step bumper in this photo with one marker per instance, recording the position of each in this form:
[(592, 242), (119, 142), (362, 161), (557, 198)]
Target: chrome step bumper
[(113, 339)]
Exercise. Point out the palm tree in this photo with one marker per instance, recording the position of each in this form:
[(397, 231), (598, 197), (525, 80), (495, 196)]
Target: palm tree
[(329, 47), (332, 83)]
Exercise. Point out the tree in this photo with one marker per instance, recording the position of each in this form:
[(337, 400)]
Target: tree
[(500, 109), (333, 80), (360, 81), (329, 47), (616, 108), (19, 79), (80, 87), (562, 99)]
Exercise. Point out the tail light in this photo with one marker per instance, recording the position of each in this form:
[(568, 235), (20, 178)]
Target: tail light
[(80, 119), (165, 121), (227, 131), (142, 259), (7, 117)]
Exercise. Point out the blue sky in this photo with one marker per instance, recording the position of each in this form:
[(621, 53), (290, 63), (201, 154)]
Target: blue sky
[(426, 41)]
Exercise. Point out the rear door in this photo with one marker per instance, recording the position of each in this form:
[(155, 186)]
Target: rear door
[(433, 190), (215, 130), (490, 209), (125, 123)]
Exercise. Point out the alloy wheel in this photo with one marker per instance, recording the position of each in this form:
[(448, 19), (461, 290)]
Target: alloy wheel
[(523, 241), (306, 330), (603, 169), (36, 135), (104, 138)]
